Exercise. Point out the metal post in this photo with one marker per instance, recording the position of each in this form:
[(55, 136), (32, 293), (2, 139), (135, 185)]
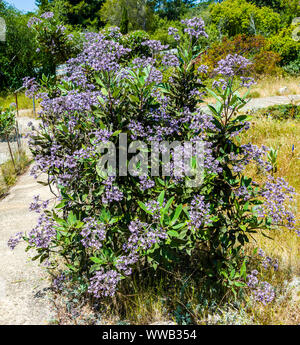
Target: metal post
[(33, 103), (17, 127)]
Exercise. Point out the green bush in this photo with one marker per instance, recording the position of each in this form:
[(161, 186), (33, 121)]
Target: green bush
[(17, 53), (293, 68), (232, 17), (134, 40), (282, 112), (285, 45)]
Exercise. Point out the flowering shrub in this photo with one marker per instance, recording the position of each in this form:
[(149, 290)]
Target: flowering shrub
[(55, 44), (109, 225)]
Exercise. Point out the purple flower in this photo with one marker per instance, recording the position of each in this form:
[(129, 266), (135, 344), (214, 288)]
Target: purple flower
[(31, 86), (277, 194), (111, 193), (199, 212), (232, 65), (170, 60), (174, 32), (264, 293), (104, 284), (32, 21), (93, 233), (47, 15), (14, 241), (155, 45), (195, 27)]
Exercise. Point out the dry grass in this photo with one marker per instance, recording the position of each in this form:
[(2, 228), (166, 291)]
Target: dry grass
[(8, 173), (285, 245), (25, 104), (270, 86)]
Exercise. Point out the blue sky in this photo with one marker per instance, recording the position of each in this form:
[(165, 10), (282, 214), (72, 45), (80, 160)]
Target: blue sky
[(23, 5), (26, 5)]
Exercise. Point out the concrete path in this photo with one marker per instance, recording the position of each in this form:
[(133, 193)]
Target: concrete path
[(258, 103), (23, 283)]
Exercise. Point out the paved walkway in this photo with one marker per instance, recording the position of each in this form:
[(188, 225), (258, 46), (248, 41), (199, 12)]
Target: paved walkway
[(23, 283), (258, 103)]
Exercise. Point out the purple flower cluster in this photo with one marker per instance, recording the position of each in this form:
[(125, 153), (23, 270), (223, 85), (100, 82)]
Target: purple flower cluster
[(47, 15), (252, 279), (146, 183), (59, 281), (33, 21), (42, 235), (143, 236), (99, 54), (174, 32), (15, 240), (232, 65), (199, 212), (124, 262), (251, 153), (243, 193), (37, 204), (170, 60), (111, 193), (195, 27), (247, 82), (31, 86), (104, 283), (155, 45), (203, 69), (268, 262), (93, 233), (262, 291), (142, 62), (155, 208), (276, 194)]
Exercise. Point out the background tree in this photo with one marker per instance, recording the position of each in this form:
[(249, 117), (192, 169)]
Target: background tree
[(173, 9), (124, 22), (17, 53), (43, 5), (140, 14), (78, 12), (233, 17)]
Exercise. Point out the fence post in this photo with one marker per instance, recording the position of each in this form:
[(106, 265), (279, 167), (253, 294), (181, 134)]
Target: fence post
[(33, 103), (17, 126)]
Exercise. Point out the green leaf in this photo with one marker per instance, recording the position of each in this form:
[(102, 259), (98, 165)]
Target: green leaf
[(97, 260), (168, 204), (173, 233), (143, 207), (161, 198), (176, 214)]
